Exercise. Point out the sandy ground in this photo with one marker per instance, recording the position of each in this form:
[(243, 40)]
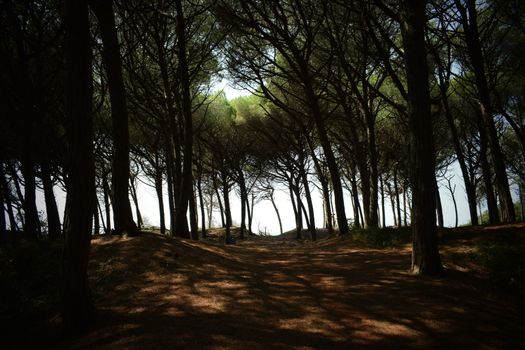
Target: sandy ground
[(154, 292)]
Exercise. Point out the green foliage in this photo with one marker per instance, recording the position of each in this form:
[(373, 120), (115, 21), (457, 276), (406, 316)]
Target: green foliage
[(29, 276), (382, 237)]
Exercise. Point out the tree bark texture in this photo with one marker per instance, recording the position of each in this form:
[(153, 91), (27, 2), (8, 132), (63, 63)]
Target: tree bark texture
[(122, 215), (425, 253), (77, 310)]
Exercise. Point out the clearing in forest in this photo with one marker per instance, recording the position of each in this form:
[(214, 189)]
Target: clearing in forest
[(154, 292)]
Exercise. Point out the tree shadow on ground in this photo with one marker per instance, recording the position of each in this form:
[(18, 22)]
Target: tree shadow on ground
[(154, 292)]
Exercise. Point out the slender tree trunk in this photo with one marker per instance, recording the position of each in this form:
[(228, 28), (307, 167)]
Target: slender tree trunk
[(296, 210), (96, 226), (310, 204), (477, 59), (398, 202), (122, 216), (160, 199), (425, 252), (272, 200), (194, 226), (133, 191), (221, 207), (383, 215), (249, 207), (439, 208), (99, 208), (243, 198), (227, 210), (392, 203), (492, 204), (77, 310), (201, 201), (31, 213), (171, 195), (53, 219), (355, 196), (107, 206), (210, 211), (7, 198)]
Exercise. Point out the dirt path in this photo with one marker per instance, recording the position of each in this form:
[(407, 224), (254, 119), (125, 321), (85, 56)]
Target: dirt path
[(157, 293)]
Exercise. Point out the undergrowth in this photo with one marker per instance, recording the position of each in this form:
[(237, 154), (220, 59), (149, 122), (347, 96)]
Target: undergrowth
[(29, 280), (382, 237)]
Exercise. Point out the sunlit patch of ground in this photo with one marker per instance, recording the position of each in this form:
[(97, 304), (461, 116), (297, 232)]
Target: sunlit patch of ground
[(154, 292)]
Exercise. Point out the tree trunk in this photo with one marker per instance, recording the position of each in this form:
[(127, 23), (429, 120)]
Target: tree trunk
[(311, 223), (227, 210), (221, 207), (133, 191), (160, 199), (398, 201), (383, 215), (355, 196), (492, 204), (425, 252), (30, 211), (96, 226), (296, 210), (122, 216), (194, 226), (77, 310), (187, 177), (53, 219), (201, 202), (171, 195), (439, 208), (392, 203), (106, 189), (477, 59), (242, 186), (7, 198), (272, 200)]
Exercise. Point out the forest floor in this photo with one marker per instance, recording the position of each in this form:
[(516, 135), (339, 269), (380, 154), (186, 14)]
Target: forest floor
[(155, 292)]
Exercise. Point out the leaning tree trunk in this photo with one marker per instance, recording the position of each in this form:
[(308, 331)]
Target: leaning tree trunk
[(425, 252), (77, 310), (477, 59), (122, 216), (53, 219), (105, 187)]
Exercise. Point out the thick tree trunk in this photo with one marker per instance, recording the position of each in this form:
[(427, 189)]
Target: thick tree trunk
[(425, 252), (53, 219), (477, 59), (77, 310), (30, 211), (187, 176), (122, 216)]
